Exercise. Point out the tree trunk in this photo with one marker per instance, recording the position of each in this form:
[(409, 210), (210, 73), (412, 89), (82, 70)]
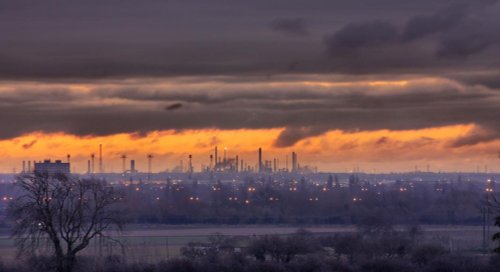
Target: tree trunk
[(69, 262), (65, 263)]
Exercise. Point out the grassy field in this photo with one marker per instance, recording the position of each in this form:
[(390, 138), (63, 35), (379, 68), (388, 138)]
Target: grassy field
[(151, 243)]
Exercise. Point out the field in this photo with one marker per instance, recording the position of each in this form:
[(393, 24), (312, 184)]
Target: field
[(151, 243)]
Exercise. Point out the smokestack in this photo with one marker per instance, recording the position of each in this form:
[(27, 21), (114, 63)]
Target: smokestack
[(150, 166), (237, 163), (216, 158), (88, 167), (24, 167), (124, 162), (242, 167), (100, 159), (190, 166), (132, 166), (260, 160), (211, 167), (274, 166), (92, 157), (68, 158), (294, 161)]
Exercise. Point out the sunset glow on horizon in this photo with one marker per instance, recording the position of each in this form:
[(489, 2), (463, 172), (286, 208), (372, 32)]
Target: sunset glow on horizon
[(380, 150)]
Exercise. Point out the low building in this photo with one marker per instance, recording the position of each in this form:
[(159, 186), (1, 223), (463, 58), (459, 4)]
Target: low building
[(52, 168)]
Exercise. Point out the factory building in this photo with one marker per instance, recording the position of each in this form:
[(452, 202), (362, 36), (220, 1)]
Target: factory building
[(52, 168)]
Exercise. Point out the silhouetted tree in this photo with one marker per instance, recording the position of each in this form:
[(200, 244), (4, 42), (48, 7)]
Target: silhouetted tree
[(496, 236), (66, 212)]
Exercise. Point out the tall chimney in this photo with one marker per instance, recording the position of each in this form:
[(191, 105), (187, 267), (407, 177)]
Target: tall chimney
[(100, 159), (237, 163), (132, 166), (260, 160), (92, 157), (211, 167), (216, 158), (190, 169)]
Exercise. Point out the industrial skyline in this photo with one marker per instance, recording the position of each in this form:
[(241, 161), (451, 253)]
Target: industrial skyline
[(213, 163)]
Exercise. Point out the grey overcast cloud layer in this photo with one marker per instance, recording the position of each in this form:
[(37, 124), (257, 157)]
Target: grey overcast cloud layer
[(234, 43)]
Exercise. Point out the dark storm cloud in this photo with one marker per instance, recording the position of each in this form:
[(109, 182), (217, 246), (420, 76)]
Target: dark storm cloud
[(85, 40), (486, 78), (477, 135), (293, 26), (440, 40), (303, 112), (359, 35), (174, 106), (101, 41), (422, 26), (291, 135), (29, 145)]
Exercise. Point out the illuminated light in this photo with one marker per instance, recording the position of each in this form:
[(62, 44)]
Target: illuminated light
[(137, 189), (157, 198), (247, 201)]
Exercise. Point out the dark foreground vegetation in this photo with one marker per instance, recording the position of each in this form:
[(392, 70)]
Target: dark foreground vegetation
[(255, 199), (367, 250), (275, 200), (69, 213)]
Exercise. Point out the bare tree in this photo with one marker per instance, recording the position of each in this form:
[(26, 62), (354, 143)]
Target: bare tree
[(66, 212)]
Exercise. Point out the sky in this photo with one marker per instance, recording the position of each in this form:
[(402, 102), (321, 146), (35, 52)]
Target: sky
[(385, 85)]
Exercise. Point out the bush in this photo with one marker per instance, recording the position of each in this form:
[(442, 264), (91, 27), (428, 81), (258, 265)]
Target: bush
[(455, 263), (426, 253), (307, 263), (176, 265), (387, 265)]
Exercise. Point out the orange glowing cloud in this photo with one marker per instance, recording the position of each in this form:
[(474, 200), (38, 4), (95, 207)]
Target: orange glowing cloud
[(380, 150)]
